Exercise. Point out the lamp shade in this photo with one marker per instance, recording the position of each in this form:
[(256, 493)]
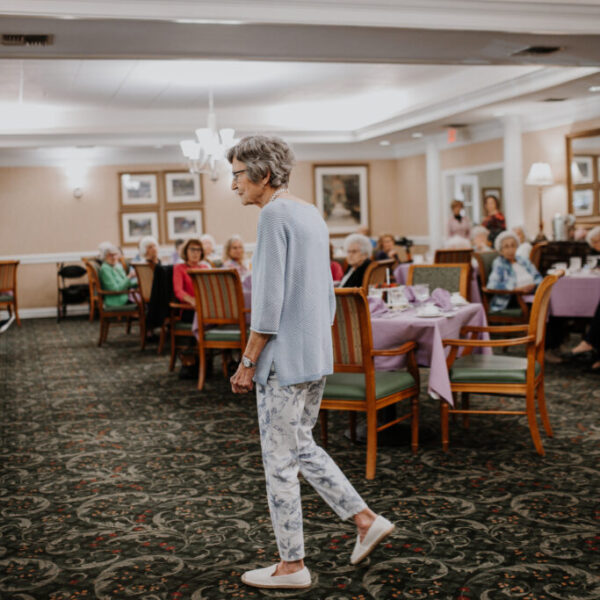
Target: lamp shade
[(540, 174)]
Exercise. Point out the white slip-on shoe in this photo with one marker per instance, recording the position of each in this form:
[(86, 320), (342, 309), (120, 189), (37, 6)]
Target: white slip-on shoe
[(380, 529), (264, 578)]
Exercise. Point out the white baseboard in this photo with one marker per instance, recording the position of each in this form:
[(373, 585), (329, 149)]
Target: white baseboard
[(48, 311)]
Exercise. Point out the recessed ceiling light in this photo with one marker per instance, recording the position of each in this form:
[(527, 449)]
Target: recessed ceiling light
[(417, 134), (209, 21), (385, 143), (595, 88)]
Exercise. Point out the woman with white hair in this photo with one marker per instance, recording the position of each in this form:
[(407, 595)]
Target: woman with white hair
[(480, 238), (358, 256), (233, 256), (593, 239), (148, 250), (510, 272), (113, 278), (524, 249), (209, 245)]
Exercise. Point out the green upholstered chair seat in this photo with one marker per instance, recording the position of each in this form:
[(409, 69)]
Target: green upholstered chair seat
[(124, 308), (222, 334), (481, 368), (182, 326), (6, 298), (507, 312), (351, 386)]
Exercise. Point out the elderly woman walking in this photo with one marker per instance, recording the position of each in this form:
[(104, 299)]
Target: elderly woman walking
[(288, 354)]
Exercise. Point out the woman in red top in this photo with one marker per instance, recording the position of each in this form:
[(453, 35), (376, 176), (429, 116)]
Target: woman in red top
[(193, 255), (336, 269), (495, 221)]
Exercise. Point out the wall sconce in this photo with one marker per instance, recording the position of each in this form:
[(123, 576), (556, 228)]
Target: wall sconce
[(76, 171), (540, 175)]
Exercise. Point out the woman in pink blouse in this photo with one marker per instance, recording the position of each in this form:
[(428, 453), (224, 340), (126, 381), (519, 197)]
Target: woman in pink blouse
[(459, 223)]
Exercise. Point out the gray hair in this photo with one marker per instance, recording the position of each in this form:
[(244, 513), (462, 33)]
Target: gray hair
[(521, 228), (146, 241), (106, 248), (479, 230), (208, 238), (264, 156), (592, 234), (227, 245), (360, 240), (504, 236)]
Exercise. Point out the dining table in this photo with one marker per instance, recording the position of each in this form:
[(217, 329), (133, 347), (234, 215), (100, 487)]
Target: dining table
[(576, 294), (401, 276)]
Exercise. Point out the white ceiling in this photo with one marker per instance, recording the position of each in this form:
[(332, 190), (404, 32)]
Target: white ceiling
[(106, 81)]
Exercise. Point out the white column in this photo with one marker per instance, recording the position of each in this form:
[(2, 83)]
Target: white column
[(434, 196), (513, 179)]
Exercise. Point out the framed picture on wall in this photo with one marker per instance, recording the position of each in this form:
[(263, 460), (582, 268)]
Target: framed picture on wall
[(582, 169), (136, 225), (341, 193), (138, 189), (583, 202), (183, 187), (182, 224)]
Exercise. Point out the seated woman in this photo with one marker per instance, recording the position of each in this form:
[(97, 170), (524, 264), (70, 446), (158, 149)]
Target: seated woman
[(193, 258), (386, 248), (480, 239), (358, 256), (458, 223), (510, 272), (148, 250), (494, 221), (336, 269), (113, 277), (524, 249), (233, 256), (209, 246), (593, 239)]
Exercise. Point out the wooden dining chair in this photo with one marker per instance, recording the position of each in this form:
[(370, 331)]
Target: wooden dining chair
[(221, 314), (355, 385), (513, 315), (451, 277), (501, 374), (180, 330), (452, 255), (127, 312), (8, 288), (376, 272), (145, 274), (92, 297)]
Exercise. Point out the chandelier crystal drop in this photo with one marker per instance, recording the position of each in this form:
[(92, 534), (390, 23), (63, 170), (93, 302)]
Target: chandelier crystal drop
[(210, 146)]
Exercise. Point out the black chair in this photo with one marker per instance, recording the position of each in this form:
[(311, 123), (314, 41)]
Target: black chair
[(74, 293)]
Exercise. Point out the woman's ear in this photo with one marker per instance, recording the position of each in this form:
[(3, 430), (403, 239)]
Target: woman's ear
[(266, 178)]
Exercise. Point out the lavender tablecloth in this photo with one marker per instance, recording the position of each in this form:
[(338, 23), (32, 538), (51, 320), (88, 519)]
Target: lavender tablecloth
[(575, 296), (395, 328), (401, 275)]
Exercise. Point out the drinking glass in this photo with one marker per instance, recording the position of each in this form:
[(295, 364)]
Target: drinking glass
[(421, 291), (375, 292)]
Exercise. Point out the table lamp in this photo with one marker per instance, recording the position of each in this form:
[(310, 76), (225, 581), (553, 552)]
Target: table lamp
[(540, 175)]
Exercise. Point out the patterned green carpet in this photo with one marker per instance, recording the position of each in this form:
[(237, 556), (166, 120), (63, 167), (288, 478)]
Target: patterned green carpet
[(121, 481)]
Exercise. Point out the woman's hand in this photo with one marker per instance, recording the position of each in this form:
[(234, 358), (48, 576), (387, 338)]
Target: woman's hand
[(526, 289), (190, 300), (241, 381)]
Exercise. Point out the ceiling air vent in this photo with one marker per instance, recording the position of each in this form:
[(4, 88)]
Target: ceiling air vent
[(22, 39), (538, 51)]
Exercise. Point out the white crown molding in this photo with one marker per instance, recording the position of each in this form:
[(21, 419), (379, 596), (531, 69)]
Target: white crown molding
[(531, 16)]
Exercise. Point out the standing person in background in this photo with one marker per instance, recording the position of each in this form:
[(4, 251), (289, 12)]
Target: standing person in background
[(233, 256), (288, 354), (458, 223), (494, 221)]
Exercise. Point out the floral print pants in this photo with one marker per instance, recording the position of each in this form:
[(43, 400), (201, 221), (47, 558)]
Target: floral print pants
[(286, 417)]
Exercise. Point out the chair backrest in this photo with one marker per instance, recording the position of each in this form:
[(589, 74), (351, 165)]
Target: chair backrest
[(219, 296), (351, 332), (376, 272), (8, 275), (451, 277), (539, 308), (536, 254), (145, 274), (452, 255), (553, 252), (485, 260)]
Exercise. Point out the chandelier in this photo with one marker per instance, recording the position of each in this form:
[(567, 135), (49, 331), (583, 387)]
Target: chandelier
[(210, 146)]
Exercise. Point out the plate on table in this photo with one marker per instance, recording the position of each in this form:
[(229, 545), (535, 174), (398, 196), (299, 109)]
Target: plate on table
[(435, 315)]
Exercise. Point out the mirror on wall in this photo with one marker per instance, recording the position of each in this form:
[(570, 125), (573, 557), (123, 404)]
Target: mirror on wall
[(583, 175)]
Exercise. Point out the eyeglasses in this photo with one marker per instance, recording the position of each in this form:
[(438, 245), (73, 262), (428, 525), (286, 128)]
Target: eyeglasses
[(236, 174), (195, 248)]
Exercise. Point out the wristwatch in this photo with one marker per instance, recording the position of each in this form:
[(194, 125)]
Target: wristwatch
[(249, 364)]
